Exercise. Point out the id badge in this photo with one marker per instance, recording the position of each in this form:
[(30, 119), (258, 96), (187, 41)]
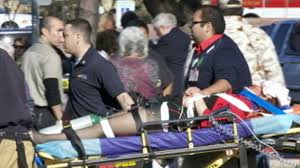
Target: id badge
[(194, 74)]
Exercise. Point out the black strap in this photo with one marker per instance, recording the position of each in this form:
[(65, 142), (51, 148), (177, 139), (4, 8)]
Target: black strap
[(75, 141), (18, 137), (136, 116), (21, 153), (210, 101)]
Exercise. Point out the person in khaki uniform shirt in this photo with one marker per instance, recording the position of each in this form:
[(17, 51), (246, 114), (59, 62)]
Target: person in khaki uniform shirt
[(255, 44), (43, 71)]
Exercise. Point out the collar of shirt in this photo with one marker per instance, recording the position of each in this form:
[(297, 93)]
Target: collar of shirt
[(200, 47), (83, 59), (104, 54), (77, 60)]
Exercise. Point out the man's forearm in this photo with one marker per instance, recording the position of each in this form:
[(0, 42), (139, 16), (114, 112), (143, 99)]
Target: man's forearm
[(221, 85), (57, 111), (168, 90)]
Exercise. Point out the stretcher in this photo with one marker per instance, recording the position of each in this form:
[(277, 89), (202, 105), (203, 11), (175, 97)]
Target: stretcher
[(134, 150)]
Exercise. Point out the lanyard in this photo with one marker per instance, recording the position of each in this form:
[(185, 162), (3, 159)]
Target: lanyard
[(198, 61)]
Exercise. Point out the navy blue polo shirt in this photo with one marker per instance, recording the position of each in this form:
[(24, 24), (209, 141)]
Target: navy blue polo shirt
[(93, 80), (222, 60), (173, 48), (15, 115)]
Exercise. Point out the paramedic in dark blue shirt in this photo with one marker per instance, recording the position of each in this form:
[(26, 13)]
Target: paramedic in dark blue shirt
[(217, 65), (93, 79), (16, 148)]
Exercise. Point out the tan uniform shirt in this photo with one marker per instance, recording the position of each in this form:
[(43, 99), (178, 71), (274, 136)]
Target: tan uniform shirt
[(40, 62), (257, 48)]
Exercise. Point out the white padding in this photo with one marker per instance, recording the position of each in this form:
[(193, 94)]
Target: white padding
[(190, 104), (164, 115), (107, 129)]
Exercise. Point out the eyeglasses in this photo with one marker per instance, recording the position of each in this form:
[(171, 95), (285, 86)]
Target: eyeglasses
[(19, 46), (193, 23)]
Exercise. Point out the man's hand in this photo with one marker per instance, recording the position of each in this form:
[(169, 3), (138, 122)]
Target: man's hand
[(221, 85), (125, 101), (191, 91), (194, 98)]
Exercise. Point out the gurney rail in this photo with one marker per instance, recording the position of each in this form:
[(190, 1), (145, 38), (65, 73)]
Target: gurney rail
[(223, 113)]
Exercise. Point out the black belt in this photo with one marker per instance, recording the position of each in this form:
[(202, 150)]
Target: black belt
[(40, 107), (13, 135), (18, 137)]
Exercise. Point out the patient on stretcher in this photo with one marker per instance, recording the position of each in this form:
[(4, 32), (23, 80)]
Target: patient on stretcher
[(125, 123)]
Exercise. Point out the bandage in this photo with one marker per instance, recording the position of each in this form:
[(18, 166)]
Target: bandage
[(277, 91), (164, 115), (107, 128), (191, 104)]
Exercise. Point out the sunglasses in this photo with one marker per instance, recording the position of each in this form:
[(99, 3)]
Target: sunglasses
[(19, 46), (193, 23)]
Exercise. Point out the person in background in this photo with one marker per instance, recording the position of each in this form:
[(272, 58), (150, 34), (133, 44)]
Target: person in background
[(256, 46), (94, 81), (21, 44), (16, 148), (127, 17), (137, 72), (106, 22), (165, 74), (42, 68), (8, 48), (173, 46), (107, 43)]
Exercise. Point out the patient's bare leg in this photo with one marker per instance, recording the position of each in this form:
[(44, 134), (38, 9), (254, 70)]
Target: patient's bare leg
[(122, 124)]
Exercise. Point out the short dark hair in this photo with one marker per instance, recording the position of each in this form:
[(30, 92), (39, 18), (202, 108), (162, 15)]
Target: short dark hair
[(46, 22), (214, 15), (233, 11), (231, 7), (22, 39), (138, 23), (127, 17), (108, 41), (82, 26)]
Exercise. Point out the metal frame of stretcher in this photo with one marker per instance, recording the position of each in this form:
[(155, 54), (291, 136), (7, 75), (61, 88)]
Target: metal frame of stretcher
[(232, 149)]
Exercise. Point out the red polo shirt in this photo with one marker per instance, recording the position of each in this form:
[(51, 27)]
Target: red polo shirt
[(199, 47)]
